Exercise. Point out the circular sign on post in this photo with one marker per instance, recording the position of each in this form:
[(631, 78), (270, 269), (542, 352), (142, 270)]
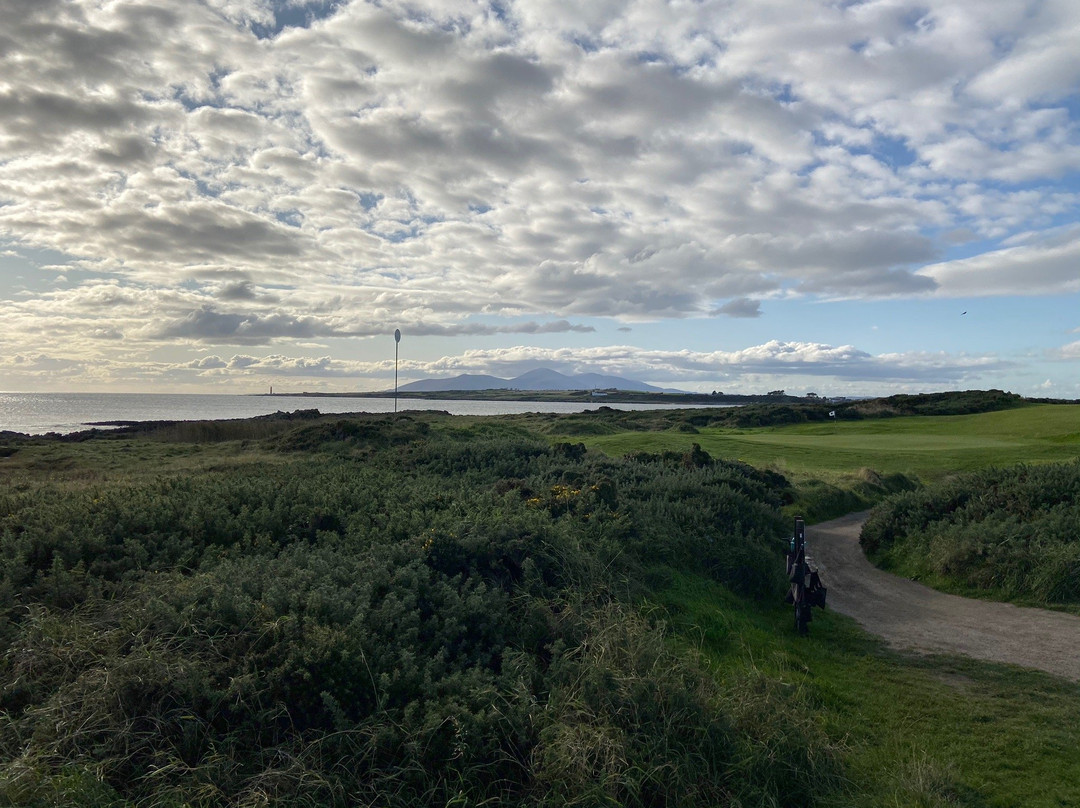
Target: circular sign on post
[(397, 335)]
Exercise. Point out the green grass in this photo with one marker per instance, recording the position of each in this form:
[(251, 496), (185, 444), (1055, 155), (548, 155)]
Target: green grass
[(911, 730), (926, 447), (85, 463), (918, 730), (445, 618)]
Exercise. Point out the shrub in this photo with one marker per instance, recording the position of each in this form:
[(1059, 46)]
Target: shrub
[(1010, 531), (395, 613)]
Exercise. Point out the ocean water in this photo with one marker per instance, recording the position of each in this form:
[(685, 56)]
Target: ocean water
[(40, 413)]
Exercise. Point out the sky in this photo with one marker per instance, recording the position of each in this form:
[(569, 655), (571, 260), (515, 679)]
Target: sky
[(845, 198)]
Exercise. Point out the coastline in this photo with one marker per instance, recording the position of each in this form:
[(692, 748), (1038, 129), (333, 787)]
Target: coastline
[(596, 397)]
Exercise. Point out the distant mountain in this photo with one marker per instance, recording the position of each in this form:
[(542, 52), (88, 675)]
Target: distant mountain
[(540, 379), (546, 379), (464, 382)]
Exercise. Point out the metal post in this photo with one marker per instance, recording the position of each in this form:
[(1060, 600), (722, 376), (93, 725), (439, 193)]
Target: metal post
[(397, 341)]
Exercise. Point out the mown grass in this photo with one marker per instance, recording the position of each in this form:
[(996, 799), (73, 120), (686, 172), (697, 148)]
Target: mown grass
[(838, 467), (926, 447)]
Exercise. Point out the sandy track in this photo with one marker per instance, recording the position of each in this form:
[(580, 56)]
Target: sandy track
[(912, 616)]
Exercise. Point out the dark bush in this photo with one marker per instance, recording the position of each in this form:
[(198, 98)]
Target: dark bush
[(389, 613), (1009, 531)]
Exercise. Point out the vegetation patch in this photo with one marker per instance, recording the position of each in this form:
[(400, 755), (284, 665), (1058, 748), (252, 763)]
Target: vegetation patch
[(1008, 533), (376, 611), (420, 609), (921, 448)]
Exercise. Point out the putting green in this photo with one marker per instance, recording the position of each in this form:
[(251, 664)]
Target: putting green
[(926, 446)]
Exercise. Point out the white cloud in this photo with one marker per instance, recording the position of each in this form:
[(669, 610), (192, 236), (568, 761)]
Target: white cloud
[(218, 178), (1046, 62), (768, 359), (1042, 266), (1070, 352), (747, 369)]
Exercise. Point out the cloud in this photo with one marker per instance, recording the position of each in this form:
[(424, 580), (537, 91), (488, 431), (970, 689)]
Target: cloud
[(741, 307), (771, 358), (751, 365), (208, 363), (233, 312), (1045, 265), (207, 325), (478, 329), (749, 370), (237, 290), (233, 328), (277, 365), (1045, 63), (339, 133), (42, 363), (1070, 352), (281, 172)]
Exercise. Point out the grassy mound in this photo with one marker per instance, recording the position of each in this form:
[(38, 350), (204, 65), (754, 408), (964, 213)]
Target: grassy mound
[(1010, 533)]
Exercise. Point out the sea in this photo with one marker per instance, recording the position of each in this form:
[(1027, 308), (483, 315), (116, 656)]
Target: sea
[(41, 413)]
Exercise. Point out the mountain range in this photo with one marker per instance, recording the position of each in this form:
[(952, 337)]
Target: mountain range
[(540, 379)]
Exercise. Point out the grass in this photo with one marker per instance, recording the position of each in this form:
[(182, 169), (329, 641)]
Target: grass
[(446, 615), (927, 447), (1002, 533), (918, 730), (81, 464), (913, 730)]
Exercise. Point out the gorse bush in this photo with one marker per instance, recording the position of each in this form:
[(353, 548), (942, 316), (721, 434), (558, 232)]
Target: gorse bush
[(410, 617), (1012, 532)]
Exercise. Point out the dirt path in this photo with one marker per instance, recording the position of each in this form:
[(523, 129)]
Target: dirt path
[(910, 615)]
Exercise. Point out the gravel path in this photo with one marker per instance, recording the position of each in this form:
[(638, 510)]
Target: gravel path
[(912, 616)]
